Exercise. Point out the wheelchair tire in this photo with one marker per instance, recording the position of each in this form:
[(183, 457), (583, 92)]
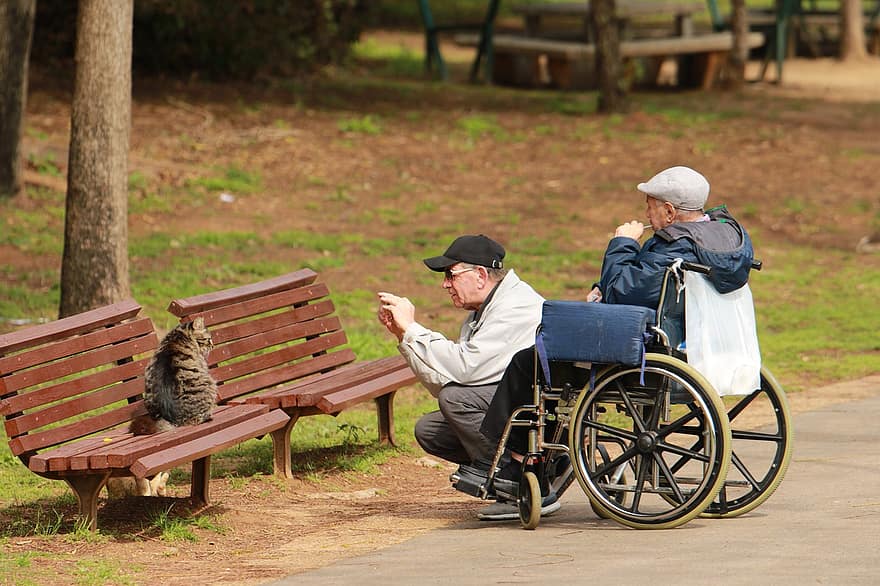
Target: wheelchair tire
[(760, 457), (670, 435), (529, 500)]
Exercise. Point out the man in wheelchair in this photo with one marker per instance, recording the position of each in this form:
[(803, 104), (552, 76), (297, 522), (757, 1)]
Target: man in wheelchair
[(633, 275)]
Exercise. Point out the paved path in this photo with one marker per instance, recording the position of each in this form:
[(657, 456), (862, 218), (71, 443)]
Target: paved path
[(821, 527)]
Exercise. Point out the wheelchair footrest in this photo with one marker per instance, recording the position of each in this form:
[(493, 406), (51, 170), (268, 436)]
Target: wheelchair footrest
[(469, 481)]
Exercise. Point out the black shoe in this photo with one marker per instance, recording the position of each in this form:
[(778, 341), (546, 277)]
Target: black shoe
[(472, 478), (506, 482)]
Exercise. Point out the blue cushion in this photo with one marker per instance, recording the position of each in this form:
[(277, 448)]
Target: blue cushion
[(577, 331)]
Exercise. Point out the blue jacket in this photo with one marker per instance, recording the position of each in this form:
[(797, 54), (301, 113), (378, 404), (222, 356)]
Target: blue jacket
[(633, 275)]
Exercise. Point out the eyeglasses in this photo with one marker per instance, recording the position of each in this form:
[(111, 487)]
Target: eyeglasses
[(449, 274)]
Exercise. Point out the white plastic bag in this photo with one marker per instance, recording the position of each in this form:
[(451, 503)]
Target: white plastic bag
[(722, 341)]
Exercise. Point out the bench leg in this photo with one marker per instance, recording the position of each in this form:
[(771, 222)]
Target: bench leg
[(700, 70), (201, 477), (385, 412), (86, 489), (281, 448)]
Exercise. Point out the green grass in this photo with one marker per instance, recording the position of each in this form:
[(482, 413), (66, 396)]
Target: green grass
[(26, 568), (232, 179), (99, 572), (364, 125)]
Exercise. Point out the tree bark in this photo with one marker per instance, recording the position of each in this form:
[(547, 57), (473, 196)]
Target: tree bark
[(735, 68), (16, 32), (609, 68), (94, 269), (852, 31)]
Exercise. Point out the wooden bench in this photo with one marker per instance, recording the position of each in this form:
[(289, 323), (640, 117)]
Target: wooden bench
[(69, 388), (277, 344), (570, 64)]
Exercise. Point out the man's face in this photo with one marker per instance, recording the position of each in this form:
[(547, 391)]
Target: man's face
[(466, 285), (660, 213)]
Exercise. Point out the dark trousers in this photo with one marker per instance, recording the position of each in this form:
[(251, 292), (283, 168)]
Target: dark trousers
[(453, 432), (517, 389)]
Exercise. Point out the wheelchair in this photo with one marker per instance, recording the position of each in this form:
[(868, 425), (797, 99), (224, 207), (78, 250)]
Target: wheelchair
[(648, 438)]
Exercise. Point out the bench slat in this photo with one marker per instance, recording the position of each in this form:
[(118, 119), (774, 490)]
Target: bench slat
[(76, 324), (77, 455), (288, 395), (270, 338), (123, 454), (81, 446), (209, 444), (227, 313), (199, 303), (225, 334), (78, 363), (55, 350), (278, 376), (260, 362), (84, 403), (312, 392), (721, 41), (335, 402), (68, 388), (36, 441), (306, 392)]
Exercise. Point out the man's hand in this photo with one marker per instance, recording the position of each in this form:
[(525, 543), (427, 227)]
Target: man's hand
[(396, 313), (594, 296), (633, 229)]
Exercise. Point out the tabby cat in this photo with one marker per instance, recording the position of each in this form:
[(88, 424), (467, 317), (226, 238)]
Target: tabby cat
[(179, 389)]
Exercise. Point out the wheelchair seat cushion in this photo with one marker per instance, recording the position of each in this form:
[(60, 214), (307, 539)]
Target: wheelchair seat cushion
[(578, 331)]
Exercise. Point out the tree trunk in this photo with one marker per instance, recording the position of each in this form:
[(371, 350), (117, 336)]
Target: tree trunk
[(16, 31), (609, 69), (94, 269), (852, 31), (735, 68)]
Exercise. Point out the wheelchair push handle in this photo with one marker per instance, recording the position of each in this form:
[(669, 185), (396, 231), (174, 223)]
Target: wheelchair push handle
[(707, 270), (696, 267)]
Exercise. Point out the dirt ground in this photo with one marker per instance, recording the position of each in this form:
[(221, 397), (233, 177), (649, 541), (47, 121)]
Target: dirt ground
[(272, 529)]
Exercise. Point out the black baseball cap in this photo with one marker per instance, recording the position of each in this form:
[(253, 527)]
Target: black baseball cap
[(476, 250)]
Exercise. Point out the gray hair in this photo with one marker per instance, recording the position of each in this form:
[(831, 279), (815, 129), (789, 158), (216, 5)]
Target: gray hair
[(495, 275)]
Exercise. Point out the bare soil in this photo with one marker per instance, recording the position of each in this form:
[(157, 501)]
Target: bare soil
[(271, 528)]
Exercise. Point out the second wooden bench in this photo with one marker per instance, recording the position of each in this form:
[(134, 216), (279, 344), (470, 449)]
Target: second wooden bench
[(570, 64), (278, 344)]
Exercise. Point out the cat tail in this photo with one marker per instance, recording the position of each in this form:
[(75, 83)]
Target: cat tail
[(146, 425)]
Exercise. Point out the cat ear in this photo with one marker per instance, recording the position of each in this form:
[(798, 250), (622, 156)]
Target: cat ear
[(199, 323)]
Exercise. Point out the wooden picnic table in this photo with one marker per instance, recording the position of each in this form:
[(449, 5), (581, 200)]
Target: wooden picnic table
[(626, 10)]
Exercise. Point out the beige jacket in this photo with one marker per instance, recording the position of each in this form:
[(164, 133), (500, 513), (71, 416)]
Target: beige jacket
[(505, 325)]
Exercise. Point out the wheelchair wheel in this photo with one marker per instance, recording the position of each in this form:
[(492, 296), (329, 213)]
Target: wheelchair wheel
[(529, 500), (762, 443), (669, 434)]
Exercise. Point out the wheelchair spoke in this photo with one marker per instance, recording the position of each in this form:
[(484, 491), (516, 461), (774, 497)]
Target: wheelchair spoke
[(741, 406), (641, 476), (678, 426), (614, 432), (740, 465), (638, 423), (757, 436), (670, 477), (615, 463), (683, 452)]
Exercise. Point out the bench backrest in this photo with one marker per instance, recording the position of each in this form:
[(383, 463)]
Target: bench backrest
[(268, 333), (73, 377)]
